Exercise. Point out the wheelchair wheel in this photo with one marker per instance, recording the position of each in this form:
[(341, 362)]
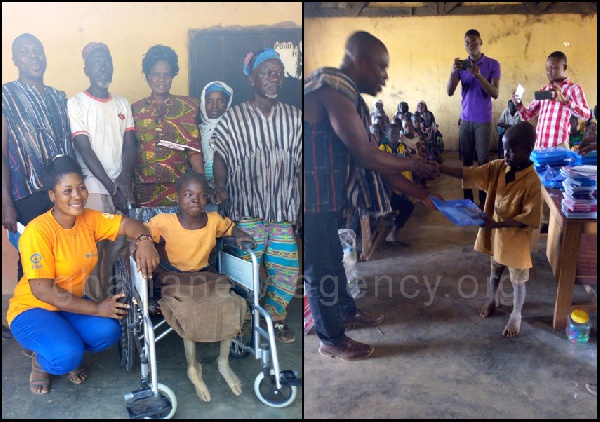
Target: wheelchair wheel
[(126, 346), (267, 391), (166, 392)]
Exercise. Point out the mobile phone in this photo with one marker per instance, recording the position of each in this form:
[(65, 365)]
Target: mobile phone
[(544, 95), (466, 64), (519, 91)]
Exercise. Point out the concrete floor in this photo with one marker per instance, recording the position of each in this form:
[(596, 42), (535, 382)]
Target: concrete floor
[(101, 395), (436, 357)]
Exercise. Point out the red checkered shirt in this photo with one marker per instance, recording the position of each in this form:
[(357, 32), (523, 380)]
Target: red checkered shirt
[(553, 125)]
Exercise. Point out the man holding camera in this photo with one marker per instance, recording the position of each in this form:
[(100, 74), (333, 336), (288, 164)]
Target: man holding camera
[(479, 76), (555, 103)]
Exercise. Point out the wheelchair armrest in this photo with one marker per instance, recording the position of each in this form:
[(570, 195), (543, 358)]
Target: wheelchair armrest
[(230, 241)]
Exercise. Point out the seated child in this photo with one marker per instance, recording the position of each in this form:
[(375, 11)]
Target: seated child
[(410, 138), (402, 206), (402, 109), (576, 134), (197, 304), (514, 202), (374, 129), (414, 144)]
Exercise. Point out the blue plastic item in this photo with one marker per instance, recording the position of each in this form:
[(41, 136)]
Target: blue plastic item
[(462, 212)]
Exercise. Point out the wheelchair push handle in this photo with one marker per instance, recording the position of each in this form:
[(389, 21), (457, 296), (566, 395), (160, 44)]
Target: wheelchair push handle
[(230, 241)]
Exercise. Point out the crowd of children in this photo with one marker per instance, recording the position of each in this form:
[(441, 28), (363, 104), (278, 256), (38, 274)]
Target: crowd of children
[(408, 135), (422, 127)]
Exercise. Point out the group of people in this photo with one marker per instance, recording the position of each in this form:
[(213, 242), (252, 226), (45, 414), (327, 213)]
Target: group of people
[(420, 124), (72, 168), (339, 136)]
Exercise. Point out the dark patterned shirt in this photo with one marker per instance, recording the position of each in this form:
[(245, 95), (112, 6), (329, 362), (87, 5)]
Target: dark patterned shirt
[(331, 177), (263, 156), (38, 131)]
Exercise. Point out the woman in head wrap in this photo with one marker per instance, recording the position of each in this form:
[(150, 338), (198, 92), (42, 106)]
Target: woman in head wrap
[(215, 100), (164, 117)]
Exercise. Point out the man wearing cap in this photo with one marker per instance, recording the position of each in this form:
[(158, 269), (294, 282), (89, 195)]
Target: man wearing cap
[(35, 129), (103, 135), (258, 156)]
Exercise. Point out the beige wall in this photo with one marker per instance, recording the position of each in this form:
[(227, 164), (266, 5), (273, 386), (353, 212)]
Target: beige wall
[(422, 50), (129, 29)]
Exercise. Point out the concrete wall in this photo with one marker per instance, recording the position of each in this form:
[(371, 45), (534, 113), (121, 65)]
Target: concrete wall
[(422, 50), (129, 29)]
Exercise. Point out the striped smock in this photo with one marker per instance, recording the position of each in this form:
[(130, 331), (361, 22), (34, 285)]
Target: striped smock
[(38, 131), (263, 156)]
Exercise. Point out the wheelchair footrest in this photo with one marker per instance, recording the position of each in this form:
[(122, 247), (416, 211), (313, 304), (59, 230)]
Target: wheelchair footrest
[(148, 407), (288, 378)]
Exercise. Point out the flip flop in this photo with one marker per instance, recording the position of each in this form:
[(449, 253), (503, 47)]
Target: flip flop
[(283, 332), (78, 375), (39, 380)]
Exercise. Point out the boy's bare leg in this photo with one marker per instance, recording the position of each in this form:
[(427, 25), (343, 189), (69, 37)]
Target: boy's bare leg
[(513, 327), (494, 286), (223, 363), (195, 370)]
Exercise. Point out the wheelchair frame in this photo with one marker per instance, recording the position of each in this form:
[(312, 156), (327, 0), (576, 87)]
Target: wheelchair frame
[(273, 386)]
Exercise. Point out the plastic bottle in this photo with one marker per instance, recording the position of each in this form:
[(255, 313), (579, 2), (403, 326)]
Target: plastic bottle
[(578, 326)]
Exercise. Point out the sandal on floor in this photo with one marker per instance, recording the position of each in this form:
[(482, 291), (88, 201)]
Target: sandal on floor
[(283, 332), (39, 380), (78, 375)]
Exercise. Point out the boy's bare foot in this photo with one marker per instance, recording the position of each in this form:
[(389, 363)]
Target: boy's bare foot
[(487, 309), (513, 328)]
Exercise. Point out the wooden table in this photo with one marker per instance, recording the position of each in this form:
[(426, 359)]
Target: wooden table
[(572, 252)]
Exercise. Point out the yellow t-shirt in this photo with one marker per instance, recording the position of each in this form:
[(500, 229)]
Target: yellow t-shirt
[(67, 256), (189, 250)]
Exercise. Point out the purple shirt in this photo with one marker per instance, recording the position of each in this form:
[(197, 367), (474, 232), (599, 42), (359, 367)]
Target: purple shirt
[(476, 103)]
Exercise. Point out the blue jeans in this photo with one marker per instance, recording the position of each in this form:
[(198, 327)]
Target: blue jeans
[(325, 280), (59, 338)]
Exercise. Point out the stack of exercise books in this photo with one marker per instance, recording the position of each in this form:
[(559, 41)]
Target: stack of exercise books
[(548, 163), (555, 158), (580, 193)]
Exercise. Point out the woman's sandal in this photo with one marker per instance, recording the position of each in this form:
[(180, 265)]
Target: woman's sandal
[(283, 332), (39, 380), (78, 375)]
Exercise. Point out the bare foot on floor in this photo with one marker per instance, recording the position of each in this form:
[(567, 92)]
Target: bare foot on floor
[(487, 309), (232, 380), (195, 375), (513, 328)]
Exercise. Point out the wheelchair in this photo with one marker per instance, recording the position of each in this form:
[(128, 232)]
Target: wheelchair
[(139, 334)]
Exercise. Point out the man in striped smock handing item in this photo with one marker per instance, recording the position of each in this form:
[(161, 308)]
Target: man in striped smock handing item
[(257, 162)]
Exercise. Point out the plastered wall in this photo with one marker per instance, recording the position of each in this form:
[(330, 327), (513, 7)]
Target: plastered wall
[(129, 29), (422, 50)]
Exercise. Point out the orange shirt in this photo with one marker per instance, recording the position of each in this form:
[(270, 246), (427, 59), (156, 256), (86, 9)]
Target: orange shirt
[(189, 250), (65, 255)]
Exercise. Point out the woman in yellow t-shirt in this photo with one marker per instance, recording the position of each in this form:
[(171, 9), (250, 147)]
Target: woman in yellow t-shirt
[(48, 313)]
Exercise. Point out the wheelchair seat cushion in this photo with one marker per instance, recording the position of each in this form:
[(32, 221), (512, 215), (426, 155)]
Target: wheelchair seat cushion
[(205, 312)]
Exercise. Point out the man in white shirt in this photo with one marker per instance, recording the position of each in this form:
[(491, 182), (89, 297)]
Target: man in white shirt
[(103, 135)]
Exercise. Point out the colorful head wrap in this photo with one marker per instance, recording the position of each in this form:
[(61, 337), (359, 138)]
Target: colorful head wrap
[(216, 86), (91, 47), (254, 59)]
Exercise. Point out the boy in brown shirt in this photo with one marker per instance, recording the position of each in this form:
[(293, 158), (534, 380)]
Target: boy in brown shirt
[(514, 202)]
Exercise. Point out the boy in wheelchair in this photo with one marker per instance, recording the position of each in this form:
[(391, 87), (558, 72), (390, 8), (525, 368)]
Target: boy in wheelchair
[(197, 303)]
